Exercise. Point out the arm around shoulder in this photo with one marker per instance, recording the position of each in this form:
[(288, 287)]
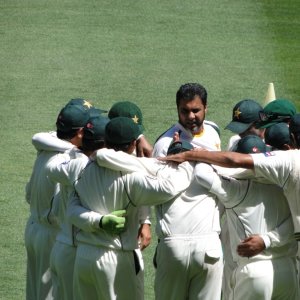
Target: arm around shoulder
[(48, 141)]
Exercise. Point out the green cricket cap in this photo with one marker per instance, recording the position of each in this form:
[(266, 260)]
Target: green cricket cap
[(244, 114), (251, 144), (72, 117), (178, 147), (95, 128), (127, 109), (121, 130), (279, 110), (88, 105), (277, 135)]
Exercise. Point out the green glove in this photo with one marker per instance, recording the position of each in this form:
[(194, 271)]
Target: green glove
[(114, 222)]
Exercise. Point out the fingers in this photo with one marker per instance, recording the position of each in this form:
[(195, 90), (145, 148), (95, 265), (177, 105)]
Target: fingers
[(176, 158), (144, 236), (119, 213), (144, 243), (251, 246), (176, 137), (199, 149)]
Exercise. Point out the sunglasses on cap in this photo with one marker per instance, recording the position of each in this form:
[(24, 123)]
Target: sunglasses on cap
[(265, 116)]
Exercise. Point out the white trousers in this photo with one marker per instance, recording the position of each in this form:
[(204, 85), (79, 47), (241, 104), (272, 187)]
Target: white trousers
[(105, 274), (39, 240), (189, 268), (62, 261), (266, 280)]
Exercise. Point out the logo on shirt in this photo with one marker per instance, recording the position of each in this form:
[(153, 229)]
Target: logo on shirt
[(267, 154)]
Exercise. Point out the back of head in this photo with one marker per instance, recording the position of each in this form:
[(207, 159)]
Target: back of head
[(251, 144), (295, 129), (189, 91), (70, 119), (127, 109), (279, 110), (244, 114), (120, 132), (94, 133), (278, 135)]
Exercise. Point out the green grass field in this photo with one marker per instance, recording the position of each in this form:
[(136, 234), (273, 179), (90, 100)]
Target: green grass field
[(52, 51)]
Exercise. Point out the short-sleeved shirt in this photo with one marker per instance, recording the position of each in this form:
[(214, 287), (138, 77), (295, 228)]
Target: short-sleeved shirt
[(282, 168)]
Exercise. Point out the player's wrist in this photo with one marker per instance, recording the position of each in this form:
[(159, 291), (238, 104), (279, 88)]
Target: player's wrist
[(266, 240)]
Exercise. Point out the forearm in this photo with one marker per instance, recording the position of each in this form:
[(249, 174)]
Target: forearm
[(223, 159), (120, 161), (48, 141), (282, 234), (81, 217), (149, 190)]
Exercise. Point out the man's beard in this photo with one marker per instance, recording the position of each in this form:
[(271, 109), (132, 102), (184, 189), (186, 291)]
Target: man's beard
[(195, 129)]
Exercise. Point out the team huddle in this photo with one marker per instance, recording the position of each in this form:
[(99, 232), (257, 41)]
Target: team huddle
[(227, 222)]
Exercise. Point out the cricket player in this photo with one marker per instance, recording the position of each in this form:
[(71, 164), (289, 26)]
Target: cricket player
[(42, 225), (189, 246), (254, 208), (143, 148), (258, 213), (245, 114), (106, 265), (64, 250)]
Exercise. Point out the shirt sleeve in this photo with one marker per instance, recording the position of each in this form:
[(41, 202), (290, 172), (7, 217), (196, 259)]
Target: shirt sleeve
[(274, 166), (152, 190), (81, 217), (281, 235), (48, 141), (232, 143), (121, 161), (161, 147), (144, 215), (229, 191), (57, 168)]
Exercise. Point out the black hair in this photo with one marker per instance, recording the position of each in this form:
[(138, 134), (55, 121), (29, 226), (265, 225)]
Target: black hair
[(68, 135), (92, 145), (119, 147), (188, 91)]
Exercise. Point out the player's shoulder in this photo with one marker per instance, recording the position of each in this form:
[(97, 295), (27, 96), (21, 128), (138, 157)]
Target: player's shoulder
[(212, 126), (163, 141), (168, 133)]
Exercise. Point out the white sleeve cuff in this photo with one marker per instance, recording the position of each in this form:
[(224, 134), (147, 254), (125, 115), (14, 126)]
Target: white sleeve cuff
[(266, 240)]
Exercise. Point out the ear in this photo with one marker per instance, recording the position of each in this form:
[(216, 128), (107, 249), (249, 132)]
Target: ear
[(132, 147), (293, 142), (133, 144), (286, 147), (80, 133)]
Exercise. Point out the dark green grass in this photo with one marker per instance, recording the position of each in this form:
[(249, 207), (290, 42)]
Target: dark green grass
[(52, 51)]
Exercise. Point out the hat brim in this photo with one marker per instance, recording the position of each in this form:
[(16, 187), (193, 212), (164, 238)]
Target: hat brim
[(238, 127), (141, 128), (94, 112), (262, 125)]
